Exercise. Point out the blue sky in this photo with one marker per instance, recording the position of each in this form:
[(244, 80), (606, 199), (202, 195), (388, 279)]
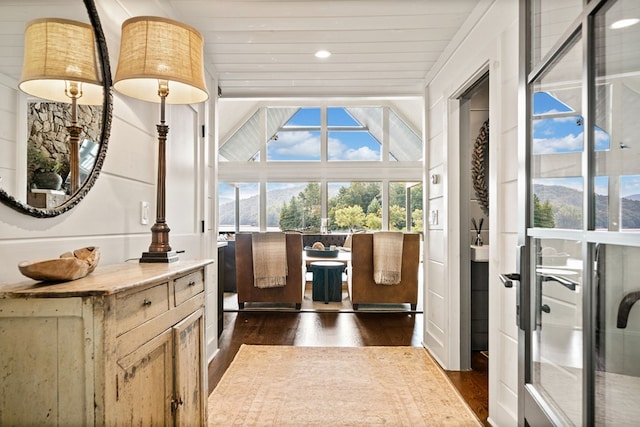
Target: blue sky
[(565, 135), (560, 134), (305, 145)]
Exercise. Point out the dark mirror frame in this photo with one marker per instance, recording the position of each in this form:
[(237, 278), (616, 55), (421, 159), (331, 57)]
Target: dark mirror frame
[(103, 57)]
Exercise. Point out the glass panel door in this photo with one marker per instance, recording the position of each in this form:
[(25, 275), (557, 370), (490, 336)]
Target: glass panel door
[(557, 329), (580, 327), (616, 270), (617, 374)]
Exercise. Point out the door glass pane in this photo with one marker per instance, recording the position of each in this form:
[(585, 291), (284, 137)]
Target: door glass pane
[(557, 336), (617, 37), (558, 143), (550, 19), (617, 376)]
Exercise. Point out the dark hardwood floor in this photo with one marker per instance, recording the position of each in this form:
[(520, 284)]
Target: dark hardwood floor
[(340, 329)]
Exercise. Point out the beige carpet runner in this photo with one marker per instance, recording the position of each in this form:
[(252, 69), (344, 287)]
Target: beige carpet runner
[(336, 386)]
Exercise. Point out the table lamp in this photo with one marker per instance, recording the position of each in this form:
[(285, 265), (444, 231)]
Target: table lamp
[(60, 64), (161, 60)]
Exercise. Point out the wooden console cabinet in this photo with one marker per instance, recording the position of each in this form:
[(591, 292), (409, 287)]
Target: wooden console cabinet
[(123, 346)]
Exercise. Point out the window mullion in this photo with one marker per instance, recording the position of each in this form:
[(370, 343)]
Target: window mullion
[(324, 140)]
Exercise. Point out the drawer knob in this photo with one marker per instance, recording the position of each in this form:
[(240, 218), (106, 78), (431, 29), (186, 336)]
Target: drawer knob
[(146, 302), (192, 283)]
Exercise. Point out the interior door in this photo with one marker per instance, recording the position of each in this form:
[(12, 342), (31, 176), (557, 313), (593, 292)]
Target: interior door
[(579, 341)]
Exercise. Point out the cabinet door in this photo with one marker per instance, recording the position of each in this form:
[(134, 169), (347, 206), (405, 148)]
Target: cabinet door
[(190, 384), (144, 384)]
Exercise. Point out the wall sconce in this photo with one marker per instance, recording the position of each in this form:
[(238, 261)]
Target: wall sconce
[(161, 60), (60, 64)]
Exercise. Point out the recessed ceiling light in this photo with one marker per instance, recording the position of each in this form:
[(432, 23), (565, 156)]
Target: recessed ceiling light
[(623, 23), (322, 54)]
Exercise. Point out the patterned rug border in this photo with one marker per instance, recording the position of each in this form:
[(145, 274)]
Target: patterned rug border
[(369, 350)]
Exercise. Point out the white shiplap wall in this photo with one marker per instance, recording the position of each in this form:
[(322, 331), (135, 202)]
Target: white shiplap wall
[(109, 216), (492, 45)]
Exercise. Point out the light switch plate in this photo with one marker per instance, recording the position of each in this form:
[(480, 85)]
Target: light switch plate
[(144, 213)]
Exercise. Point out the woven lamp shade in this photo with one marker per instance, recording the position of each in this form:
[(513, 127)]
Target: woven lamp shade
[(153, 49), (58, 51)]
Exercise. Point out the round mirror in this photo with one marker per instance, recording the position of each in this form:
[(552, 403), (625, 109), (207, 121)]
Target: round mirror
[(52, 144)]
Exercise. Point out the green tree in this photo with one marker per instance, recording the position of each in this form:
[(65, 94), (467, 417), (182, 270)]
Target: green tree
[(568, 216), (350, 217), (542, 214), (374, 207), (290, 216), (417, 221), (373, 222), (310, 203), (397, 218), (356, 194)]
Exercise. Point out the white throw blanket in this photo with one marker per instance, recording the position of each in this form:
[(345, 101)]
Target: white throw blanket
[(269, 259), (387, 257)]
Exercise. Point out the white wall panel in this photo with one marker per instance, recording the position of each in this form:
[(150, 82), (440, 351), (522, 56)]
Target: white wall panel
[(436, 206), (508, 153), (508, 200), (109, 215), (492, 44), (436, 246), (435, 190)]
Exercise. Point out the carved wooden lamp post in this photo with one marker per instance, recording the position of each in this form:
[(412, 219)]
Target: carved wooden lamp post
[(161, 60)]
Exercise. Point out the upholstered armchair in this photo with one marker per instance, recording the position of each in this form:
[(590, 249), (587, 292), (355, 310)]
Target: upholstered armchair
[(292, 292), (362, 287)]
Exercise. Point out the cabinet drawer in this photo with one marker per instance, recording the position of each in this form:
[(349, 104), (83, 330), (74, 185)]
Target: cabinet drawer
[(187, 286), (135, 308)]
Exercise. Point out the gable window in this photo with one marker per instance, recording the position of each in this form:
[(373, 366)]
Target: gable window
[(321, 167)]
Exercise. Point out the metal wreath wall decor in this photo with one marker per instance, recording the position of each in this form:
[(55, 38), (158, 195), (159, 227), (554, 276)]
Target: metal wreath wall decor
[(479, 165)]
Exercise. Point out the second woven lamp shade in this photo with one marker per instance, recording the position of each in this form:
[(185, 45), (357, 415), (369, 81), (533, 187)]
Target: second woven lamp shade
[(154, 48)]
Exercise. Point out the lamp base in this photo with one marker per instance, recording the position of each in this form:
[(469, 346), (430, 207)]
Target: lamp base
[(164, 257)]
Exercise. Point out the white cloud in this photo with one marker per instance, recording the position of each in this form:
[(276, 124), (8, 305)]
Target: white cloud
[(362, 153), (297, 145), (340, 151), (569, 143)]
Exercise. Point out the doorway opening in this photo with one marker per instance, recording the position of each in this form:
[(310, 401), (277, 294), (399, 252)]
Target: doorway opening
[(474, 226)]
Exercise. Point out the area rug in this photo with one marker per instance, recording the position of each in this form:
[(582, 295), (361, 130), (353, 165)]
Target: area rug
[(336, 386)]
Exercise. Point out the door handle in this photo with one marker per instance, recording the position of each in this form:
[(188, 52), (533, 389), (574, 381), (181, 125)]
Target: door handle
[(507, 279), (567, 283)]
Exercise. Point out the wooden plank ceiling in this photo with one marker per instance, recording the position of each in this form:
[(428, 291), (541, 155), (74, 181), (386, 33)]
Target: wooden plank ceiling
[(265, 48)]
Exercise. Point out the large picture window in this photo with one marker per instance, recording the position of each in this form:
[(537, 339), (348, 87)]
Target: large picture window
[(326, 168)]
